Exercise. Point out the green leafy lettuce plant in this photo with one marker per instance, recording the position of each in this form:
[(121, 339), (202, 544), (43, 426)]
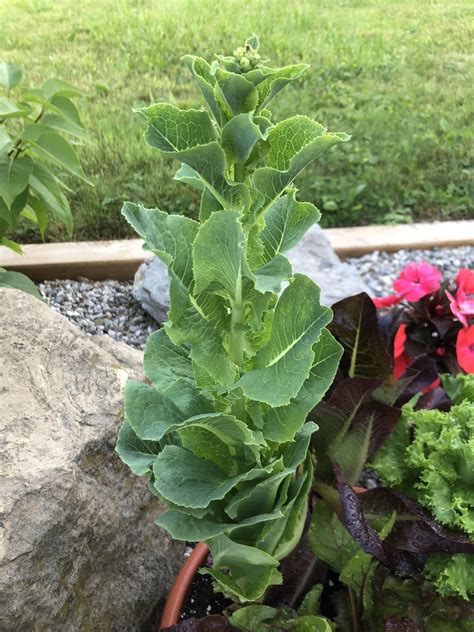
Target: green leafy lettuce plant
[(430, 456), (38, 134), (220, 429)]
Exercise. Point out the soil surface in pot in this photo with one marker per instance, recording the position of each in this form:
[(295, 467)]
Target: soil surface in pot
[(202, 600)]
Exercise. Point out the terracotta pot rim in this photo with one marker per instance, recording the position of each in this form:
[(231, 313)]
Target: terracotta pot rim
[(182, 583)]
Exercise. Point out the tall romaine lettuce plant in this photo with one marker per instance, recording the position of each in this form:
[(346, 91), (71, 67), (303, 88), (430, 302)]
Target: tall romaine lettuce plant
[(220, 429)]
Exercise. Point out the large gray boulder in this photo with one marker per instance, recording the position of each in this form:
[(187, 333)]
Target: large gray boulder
[(79, 549), (313, 256)]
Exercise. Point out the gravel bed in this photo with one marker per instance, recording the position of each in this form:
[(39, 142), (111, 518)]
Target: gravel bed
[(379, 269), (108, 307), (101, 307)]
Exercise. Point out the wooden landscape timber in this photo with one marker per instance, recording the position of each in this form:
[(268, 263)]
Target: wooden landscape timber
[(120, 259)]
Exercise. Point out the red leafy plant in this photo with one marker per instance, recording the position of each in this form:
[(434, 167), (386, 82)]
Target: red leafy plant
[(432, 316)]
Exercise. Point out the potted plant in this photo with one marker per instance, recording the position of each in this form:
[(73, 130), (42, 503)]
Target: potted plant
[(221, 428), (389, 558)]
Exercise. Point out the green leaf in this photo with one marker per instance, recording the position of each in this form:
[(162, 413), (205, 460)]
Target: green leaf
[(234, 93), (54, 87), (282, 423), (270, 276), (63, 105), (173, 131), (39, 213), (10, 75), (294, 144), (190, 481), (286, 221), (190, 136), (311, 601), (170, 237), (220, 438), (14, 177), (165, 363), (284, 363), (261, 496), (276, 81), (206, 82), (452, 575), (18, 281), (239, 137), (208, 205), (5, 140), (10, 109), (188, 326), (329, 539), (45, 186), (63, 124), (283, 536), (138, 454), (188, 176), (18, 205), (223, 264), (53, 147), (254, 618), (150, 413), (252, 570), (187, 397), (182, 526), (13, 245)]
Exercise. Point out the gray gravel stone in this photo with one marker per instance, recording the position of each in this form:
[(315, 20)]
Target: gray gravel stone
[(99, 307)]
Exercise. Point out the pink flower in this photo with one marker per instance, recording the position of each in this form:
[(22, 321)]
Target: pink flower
[(386, 301), (465, 349), (417, 280), (463, 304), (465, 280)]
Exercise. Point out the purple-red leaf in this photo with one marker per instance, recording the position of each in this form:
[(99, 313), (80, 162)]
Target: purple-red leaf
[(436, 398), (427, 373), (352, 427), (414, 535), (355, 326), (301, 570)]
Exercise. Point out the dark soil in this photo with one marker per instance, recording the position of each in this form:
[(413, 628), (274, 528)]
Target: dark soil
[(202, 600)]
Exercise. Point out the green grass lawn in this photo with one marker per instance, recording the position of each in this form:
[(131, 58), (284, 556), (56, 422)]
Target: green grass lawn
[(396, 74)]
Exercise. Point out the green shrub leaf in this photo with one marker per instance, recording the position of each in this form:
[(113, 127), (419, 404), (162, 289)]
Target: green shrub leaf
[(10, 75), (53, 147), (14, 177)]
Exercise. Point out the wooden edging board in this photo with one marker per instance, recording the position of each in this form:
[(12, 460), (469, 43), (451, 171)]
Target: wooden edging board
[(120, 259)]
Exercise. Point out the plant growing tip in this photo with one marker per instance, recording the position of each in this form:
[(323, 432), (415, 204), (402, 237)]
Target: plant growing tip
[(220, 432)]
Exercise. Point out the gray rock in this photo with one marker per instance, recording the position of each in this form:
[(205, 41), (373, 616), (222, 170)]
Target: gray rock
[(151, 288), (313, 256), (79, 549)]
